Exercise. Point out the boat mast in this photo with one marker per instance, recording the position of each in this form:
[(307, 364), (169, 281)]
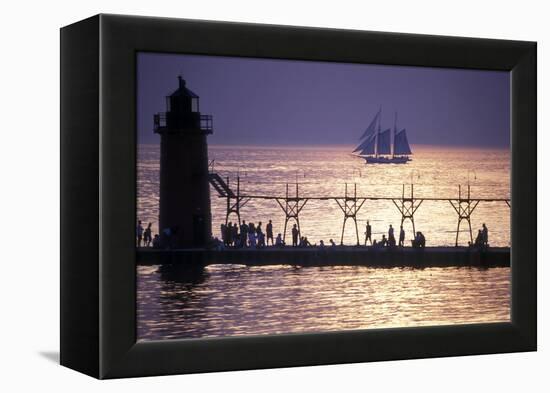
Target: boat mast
[(378, 133), (394, 131)]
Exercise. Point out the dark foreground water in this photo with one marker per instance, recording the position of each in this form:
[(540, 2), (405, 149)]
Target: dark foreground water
[(228, 300)]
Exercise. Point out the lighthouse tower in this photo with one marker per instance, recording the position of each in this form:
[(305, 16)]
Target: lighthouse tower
[(184, 187)]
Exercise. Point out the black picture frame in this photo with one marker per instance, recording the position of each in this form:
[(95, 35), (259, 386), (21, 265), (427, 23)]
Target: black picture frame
[(98, 196)]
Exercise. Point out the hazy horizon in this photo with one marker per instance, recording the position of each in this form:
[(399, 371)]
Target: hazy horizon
[(343, 146)]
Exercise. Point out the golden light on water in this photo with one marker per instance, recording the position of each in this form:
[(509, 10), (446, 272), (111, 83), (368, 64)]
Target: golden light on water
[(238, 300), (323, 171)]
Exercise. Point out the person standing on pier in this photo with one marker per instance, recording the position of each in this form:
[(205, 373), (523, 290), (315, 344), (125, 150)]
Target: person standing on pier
[(139, 233), (368, 234), (235, 234), (485, 235), (223, 233), (260, 235), (401, 237), (244, 233), (419, 241), (261, 239), (229, 234), (251, 235), (479, 239), (391, 237), (269, 232), (147, 236), (294, 236)]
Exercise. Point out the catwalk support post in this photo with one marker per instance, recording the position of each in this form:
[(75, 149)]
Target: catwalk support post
[(350, 206)]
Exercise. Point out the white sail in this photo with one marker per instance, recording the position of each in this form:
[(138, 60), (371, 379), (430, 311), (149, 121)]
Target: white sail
[(367, 147), (384, 143), (401, 143), (371, 128)]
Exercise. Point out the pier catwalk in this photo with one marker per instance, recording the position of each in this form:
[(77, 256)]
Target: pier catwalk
[(351, 203), (333, 256)]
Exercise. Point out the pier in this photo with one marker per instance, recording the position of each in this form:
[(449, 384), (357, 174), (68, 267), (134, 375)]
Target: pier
[(333, 256), (292, 203)]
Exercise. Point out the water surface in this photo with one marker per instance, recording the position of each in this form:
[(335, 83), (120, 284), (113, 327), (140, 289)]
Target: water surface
[(323, 171), (223, 300)]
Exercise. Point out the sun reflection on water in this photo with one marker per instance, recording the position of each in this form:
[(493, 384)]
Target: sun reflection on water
[(224, 300)]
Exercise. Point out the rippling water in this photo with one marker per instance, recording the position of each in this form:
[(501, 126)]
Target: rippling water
[(237, 300), (224, 300)]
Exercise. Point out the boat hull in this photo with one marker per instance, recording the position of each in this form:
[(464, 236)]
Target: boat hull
[(386, 160)]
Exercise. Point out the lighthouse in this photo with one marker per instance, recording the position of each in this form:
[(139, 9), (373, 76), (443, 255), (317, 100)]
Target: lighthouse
[(184, 187)]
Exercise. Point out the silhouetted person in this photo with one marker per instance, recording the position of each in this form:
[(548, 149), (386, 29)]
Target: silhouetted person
[(260, 235), (223, 233), (261, 239), (139, 233), (304, 242), (479, 239), (251, 234), (229, 233), (485, 234), (244, 233), (156, 242), (279, 241), (384, 241), (269, 232), (169, 237), (332, 244), (419, 240), (235, 235), (147, 239), (401, 237), (321, 244), (368, 234), (294, 236), (391, 237)]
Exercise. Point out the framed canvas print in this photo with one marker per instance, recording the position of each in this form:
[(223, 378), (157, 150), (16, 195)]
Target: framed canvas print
[(239, 196)]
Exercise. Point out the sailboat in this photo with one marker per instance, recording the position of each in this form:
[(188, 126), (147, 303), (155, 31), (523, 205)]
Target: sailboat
[(376, 146)]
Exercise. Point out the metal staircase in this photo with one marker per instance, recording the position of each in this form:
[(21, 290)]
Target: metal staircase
[(220, 185)]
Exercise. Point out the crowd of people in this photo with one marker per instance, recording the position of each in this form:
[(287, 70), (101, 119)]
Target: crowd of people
[(251, 235), (419, 240), (246, 235), (482, 238), (145, 236)]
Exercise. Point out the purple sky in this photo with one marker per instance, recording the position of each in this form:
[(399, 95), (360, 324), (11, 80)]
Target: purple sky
[(284, 102)]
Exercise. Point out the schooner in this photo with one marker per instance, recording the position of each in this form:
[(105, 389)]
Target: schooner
[(376, 145)]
